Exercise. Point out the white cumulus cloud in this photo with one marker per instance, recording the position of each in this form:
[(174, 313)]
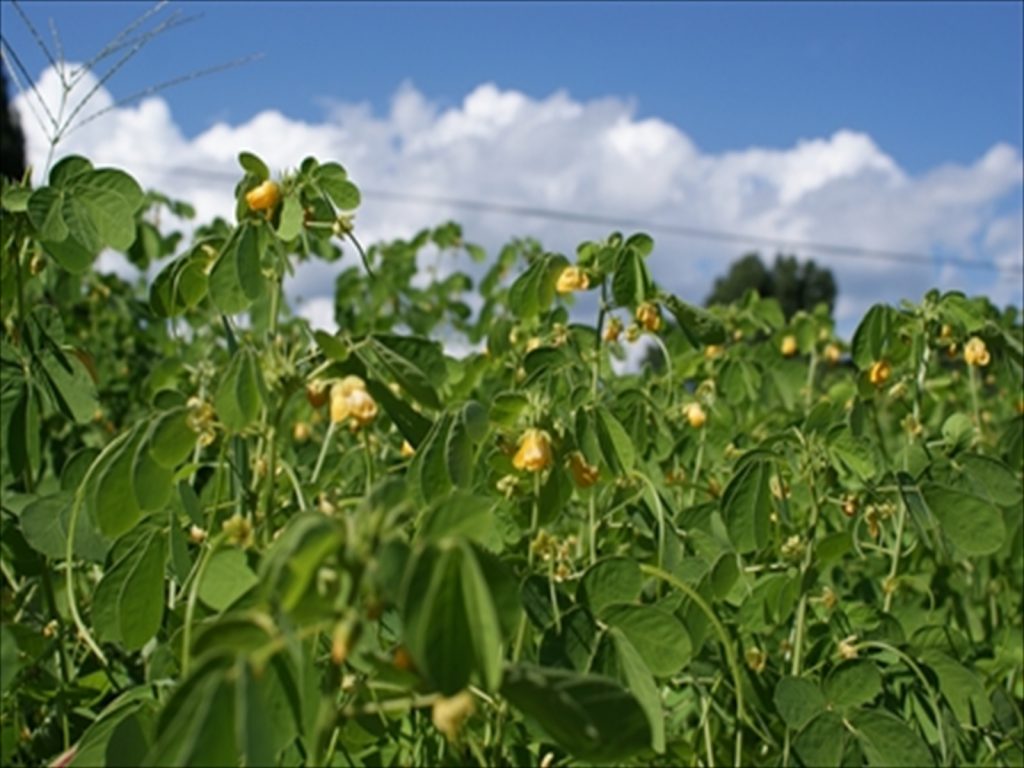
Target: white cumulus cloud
[(595, 157)]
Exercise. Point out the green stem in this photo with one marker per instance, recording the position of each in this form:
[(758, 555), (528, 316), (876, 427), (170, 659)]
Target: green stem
[(597, 341), (730, 652), (65, 673), (697, 466), (592, 526), (69, 547), (190, 605), (323, 453), (932, 698), (897, 550)]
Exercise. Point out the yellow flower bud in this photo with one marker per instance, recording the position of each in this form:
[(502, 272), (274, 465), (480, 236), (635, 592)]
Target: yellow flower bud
[(363, 407), (572, 279), (534, 452), (449, 713), (975, 352), (407, 451), (695, 415), (647, 315), (832, 353), (265, 197), (879, 372), (789, 346), (583, 473), (301, 432), (713, 351), (612, 330)]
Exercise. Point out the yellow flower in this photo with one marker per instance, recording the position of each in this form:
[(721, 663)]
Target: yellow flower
[(572, 279), (363, 407), (583, 473), (301, 432), (789, 346), (713, 351), (349, 398), (832, 353), (612, 330), (449, 713), (695, 415), (648, 317), (407, 451), (265, 197), (879, 372), (975, 352), (534, 452)]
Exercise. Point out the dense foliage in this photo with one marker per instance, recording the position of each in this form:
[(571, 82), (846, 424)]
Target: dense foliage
[(231, 539)]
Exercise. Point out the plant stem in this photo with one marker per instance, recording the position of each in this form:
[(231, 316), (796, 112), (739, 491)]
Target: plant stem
[(889, 585), (190, 605), (323, 453), (730, 652)]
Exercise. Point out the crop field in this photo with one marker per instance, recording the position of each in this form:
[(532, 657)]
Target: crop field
[(229, 538)]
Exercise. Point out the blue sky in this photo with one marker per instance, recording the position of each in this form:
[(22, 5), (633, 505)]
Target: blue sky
[(931, 82), (884, 125)]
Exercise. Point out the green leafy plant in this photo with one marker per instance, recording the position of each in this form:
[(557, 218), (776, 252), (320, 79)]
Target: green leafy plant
[(230, 538)]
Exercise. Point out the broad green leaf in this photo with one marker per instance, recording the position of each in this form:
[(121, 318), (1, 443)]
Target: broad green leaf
[(196, 725), (226, 579), (973, 524), (590, 716), (332, 347), (224, 283), (798, 700), (887, 741), (407, 374), (450, 622), (571, 642), (630, 282), (240, 395), (852, 684), (172, 440), (430, 464), (413, 425), (506, 408), (333, 179), (618, 658), (615, 442), (10, 662), (45, 521), (852, 454), (460, 514), (870, 340), (698, 325), (822, 743), (747, 505), (290, 224), (128, 605), (612, 580), (961, 687), (74, 389), (152, 483), (659, 637), (289, 568), (254, 165), (993, 479), (114, 506), (250, 271)]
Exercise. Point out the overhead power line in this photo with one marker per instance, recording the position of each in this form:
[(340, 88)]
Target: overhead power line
[(804, 247)]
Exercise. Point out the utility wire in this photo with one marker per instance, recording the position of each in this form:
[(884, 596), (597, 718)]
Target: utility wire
[(683, 230)]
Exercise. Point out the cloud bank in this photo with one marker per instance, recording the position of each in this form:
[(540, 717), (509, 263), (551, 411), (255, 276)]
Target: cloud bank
[(599, 158)]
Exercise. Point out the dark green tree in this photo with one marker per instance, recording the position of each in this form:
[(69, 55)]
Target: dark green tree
[(12, 141), (797, 285)]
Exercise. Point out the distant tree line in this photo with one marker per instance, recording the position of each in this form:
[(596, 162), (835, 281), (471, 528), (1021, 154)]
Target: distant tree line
[(796, 285)]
